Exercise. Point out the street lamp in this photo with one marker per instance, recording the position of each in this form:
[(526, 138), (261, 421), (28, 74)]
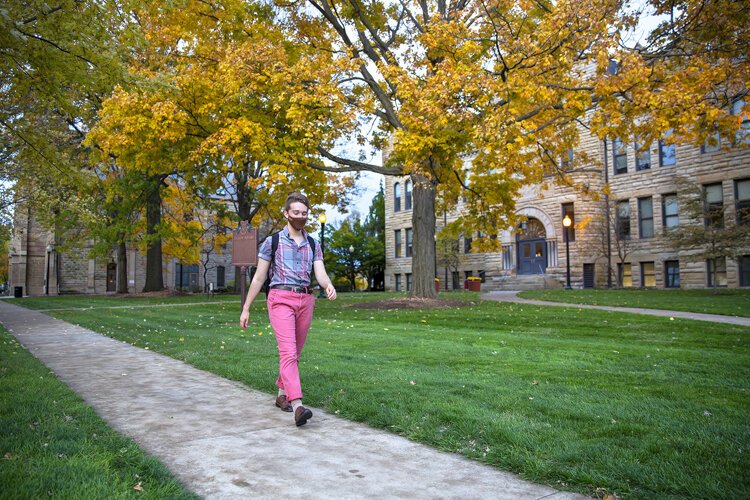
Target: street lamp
[(322, 220), (566, 224), (354, 277), (46, 280)]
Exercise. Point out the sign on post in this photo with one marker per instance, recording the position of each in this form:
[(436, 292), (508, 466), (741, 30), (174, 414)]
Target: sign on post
[(244, 252), (245, 246)]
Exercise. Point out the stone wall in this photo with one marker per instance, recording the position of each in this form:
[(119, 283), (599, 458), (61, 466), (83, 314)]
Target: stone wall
[(544, 203), (78, 272)]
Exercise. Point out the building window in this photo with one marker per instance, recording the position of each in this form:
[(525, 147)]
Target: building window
[(613, 67), (648, 274), (620, 157), (407, 195), (185, 276), (712, 143), (625, 273), (397, 239), (670, 210), (408, 282), (566, 161), (481, 274), (408, 242), (398, 282), (672, 273), (717, 267), (397, 197), (623, 220), (742, 201), (646, 217), (744, 262), (713, 205), (221, 277), (667, 152), (642, 157), (567, 209), (467, 244), (743, 134), (507, 256)]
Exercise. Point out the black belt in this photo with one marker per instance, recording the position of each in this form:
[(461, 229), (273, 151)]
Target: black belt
[(292, 288)]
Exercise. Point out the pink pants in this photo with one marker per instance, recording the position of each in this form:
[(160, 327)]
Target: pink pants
[(290, 314)]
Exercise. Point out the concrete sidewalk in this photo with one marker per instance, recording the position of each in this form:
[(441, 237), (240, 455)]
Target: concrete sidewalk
[(512, 296), (223, 440)]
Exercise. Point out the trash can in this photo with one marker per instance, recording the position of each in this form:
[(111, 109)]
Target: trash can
[(18, 292)]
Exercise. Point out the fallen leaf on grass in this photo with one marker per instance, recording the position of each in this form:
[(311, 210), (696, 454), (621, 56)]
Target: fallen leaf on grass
[(138, 487)]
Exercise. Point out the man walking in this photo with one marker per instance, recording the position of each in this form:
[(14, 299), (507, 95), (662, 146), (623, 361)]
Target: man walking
[(290, 300)]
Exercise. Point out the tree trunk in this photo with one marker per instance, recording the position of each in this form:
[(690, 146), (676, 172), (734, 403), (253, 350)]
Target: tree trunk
[(423, 244), (154, 276), (122, 267)]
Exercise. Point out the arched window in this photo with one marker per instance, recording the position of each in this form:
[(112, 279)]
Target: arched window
[(396, 197), (407, 194)]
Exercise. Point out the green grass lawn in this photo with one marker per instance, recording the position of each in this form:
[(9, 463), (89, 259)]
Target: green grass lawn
[(730, 302), (583, 400), (54, 445)]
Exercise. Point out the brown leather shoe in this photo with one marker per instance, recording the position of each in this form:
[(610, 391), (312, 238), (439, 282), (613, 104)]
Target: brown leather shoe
[(282, 403), (301, 416)]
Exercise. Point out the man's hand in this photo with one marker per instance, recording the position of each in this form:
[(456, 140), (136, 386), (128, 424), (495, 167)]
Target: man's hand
[(244, 318), (331, 292)]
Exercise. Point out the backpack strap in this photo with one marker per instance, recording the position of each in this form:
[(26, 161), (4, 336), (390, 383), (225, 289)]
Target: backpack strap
[(311, 241), (274, 248)]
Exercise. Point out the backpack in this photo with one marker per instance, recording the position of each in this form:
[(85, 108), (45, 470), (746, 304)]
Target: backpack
[(275, 246)]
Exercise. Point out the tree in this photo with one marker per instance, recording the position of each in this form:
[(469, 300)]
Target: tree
[(59, 60), (211, 109), (448, 254), (508, 84), (706, 231), (611, 224), (193, 233), (344, 251), (373, 258)]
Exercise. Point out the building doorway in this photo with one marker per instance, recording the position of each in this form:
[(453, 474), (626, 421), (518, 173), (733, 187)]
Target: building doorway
[(531, 247), (111, 277)]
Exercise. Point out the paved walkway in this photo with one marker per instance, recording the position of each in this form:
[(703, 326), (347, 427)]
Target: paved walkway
[(223, 440), (512, 296)]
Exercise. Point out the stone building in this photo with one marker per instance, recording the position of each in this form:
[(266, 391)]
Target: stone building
[(643, 202), (36, 267)]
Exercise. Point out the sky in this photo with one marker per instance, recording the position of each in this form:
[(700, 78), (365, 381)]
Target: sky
[(367, 187)]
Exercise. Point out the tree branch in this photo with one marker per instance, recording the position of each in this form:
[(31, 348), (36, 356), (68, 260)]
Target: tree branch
[(353, 165)]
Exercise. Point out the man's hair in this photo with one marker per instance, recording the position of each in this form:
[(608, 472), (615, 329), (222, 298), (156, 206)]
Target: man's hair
[(296, 198)]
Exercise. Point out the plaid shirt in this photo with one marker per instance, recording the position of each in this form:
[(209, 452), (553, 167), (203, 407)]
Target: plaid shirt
[(293, 265)]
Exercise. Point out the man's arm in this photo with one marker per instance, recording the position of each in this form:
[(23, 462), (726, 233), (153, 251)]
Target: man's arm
[(320, 274), (260, 277)]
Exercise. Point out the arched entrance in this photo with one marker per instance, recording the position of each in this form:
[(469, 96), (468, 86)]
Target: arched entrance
[(531, 247)]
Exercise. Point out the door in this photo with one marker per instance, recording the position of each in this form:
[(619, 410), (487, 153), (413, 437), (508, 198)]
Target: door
[(532, 257), (111, 277), (588, 276)]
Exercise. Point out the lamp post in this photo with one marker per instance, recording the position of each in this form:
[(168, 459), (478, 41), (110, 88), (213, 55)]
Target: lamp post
[(322, 220), (354, 277), (46, 280), (566, 228)]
